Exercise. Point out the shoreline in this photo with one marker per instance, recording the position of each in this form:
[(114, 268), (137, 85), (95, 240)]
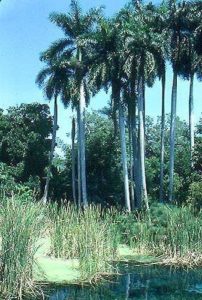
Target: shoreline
[(58, 271)]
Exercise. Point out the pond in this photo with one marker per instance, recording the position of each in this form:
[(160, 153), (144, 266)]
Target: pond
[(143, 283)]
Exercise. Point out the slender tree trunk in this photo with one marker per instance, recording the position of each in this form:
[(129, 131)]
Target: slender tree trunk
[(78, 157), (73, 162), (55, 120), (82, 146), (114, 113), (191, 117), (82, 104), (162, 138), (143, 97), (124, 157), (132, 192), (142, 145), (172, 135), (136, 174)]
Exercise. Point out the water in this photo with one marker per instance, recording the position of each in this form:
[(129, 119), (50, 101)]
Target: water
[(139, 283)]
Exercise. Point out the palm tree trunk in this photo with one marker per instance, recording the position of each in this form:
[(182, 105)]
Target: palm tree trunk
[(124, 157), (162, 137), (73, 162), (132, 180), (55, 120), (82, 145), (191, 117), (143, 97), (78, 157), (172, 135), (82, 104), (136, 174), (142, 145), (132, 192), (114, 114)]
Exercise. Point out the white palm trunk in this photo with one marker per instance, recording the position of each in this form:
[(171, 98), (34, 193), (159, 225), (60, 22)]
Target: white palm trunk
[(172, 135), (55, 118), (73, 161), (82, 145), (124, 157), (191, 117), (142, 147), (78, 158), (135, 145), (162, 139), (132, 192)]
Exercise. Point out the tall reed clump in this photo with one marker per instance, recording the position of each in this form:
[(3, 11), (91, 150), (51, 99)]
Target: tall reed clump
[(96, 243), (184, 235), (21, 224), (172, 232), (64, 231), (88, 235), (134, 230)]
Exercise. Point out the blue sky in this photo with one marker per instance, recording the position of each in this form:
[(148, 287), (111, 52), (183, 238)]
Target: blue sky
[(26, 31)]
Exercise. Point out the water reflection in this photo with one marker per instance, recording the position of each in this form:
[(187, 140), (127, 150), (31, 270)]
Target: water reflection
[(143, 283)]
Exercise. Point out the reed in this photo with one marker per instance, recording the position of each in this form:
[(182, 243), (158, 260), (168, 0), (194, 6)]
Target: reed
[(64, 227), (96, 243), (89, 235), (171, 232), (21, 225)]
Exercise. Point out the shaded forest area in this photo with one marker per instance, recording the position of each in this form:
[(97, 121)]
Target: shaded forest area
[(26, 142)]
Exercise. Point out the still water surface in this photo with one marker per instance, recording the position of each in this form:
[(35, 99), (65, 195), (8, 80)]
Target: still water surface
[(140, 283)]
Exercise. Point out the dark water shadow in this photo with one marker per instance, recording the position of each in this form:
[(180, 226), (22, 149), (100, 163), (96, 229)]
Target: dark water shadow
[(142, 283)]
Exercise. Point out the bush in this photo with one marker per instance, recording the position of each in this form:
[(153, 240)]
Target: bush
[(195, 195)]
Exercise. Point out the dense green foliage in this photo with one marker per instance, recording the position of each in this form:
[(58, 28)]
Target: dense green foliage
[(25, 144), (103, 164)]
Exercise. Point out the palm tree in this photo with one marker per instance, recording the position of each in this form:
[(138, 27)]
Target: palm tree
[(183, 58), (175, 27), (75, 24), (190, 61), (106, 71), (52, 79), (142, 41)]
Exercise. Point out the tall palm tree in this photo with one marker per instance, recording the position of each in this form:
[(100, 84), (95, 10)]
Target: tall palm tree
[(52, 79), (75, 24), (106, 71), (175, 24), (183, 59), (190, 61), (142, 40)]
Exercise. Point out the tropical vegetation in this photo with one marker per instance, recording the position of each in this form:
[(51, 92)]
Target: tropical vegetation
[(125, 180)]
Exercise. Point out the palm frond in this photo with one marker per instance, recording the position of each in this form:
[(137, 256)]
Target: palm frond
[(65, 22), (42, 76), (57, 48)]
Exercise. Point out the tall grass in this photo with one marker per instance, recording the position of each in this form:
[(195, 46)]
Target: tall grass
[(184, 234), (96, 243), (89, 235), (64, 227), (172, 232), (21, 224)]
